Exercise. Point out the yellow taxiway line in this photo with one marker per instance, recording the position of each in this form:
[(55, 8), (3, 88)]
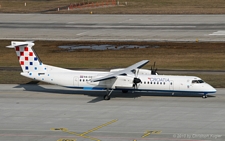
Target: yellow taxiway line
[(98, 127), (87, 132), (147, 133)]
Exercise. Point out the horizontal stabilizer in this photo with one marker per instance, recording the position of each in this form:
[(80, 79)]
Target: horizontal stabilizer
[(20, 45)]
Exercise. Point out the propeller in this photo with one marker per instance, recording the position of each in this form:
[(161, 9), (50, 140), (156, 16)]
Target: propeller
[(136, 79), (135, 82), (154, 70)]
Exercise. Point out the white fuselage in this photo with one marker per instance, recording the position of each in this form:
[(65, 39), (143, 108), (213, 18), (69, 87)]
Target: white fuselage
[(82, 80)]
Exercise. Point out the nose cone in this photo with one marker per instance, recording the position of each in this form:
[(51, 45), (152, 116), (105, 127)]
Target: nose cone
[(213, 90), (210, 89)]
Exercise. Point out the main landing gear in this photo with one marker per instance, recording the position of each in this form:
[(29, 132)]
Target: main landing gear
[(107, 96)]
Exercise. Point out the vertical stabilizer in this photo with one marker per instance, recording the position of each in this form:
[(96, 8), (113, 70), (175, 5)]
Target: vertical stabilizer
[(27, 57)]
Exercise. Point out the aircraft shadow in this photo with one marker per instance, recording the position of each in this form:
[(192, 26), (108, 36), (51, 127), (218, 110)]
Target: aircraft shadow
[(38, 88), (99, 94)]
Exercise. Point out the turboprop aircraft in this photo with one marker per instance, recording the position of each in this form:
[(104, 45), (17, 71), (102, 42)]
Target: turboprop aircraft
[(132, 78)]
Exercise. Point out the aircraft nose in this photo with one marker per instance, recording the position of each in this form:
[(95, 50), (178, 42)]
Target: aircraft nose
[(214, 89), (211, 89)]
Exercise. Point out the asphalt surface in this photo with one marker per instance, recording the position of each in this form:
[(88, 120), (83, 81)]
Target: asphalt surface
[(52, 113), (202, 28)]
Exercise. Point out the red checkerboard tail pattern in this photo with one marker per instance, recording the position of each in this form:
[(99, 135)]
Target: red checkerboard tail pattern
[(27, 57)]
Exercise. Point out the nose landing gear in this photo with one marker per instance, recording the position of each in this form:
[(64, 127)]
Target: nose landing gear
[(204, 96)]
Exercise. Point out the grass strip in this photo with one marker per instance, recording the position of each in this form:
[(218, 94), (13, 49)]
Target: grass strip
[(132, 7)]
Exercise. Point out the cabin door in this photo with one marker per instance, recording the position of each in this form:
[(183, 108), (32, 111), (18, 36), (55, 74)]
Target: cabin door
[(76, 81), (171, 85)]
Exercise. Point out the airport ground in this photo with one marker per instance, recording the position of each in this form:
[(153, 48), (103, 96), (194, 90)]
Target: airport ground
[(51, 113), (123, 7), (132, 28)]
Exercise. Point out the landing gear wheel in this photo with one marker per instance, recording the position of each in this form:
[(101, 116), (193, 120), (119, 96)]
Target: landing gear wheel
[(106, 97), (204, 96), (124, 91)]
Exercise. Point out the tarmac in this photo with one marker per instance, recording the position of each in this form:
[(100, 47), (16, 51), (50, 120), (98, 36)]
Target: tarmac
[(54, 113), (78, 27)]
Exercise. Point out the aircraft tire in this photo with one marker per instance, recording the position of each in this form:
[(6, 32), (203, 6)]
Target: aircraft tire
[(204, 96), (106, 97)]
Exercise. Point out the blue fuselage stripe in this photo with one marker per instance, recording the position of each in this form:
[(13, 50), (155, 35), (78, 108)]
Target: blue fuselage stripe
[(148, 90)]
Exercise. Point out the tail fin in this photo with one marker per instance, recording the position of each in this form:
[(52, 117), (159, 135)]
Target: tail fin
[(28, 59)]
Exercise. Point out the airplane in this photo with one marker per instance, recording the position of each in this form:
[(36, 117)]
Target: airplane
[(132, 78)]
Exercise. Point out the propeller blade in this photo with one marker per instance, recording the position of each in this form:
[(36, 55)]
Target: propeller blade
[(154, 69), (137, 72)]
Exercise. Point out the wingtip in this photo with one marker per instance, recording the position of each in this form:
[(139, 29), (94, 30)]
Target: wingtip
[(146, 61)]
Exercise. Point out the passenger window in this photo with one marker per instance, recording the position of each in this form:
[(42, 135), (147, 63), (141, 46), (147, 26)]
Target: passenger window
[(148, 82), (151, 82), (144, 82), (160, 83), (154, 82)]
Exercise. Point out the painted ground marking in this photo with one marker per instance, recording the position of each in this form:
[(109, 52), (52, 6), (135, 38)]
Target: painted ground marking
[(84, 133), (147, 133), (98, 127), (66, 140)]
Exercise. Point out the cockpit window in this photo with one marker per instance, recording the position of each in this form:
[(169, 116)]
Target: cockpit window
[(197, 81), (200, 81)]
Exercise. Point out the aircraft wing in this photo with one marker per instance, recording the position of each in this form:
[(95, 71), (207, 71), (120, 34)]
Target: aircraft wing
[(126, 71)]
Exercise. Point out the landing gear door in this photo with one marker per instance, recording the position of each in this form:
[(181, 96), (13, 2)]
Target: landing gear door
[(171, 85), (76, 81)]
